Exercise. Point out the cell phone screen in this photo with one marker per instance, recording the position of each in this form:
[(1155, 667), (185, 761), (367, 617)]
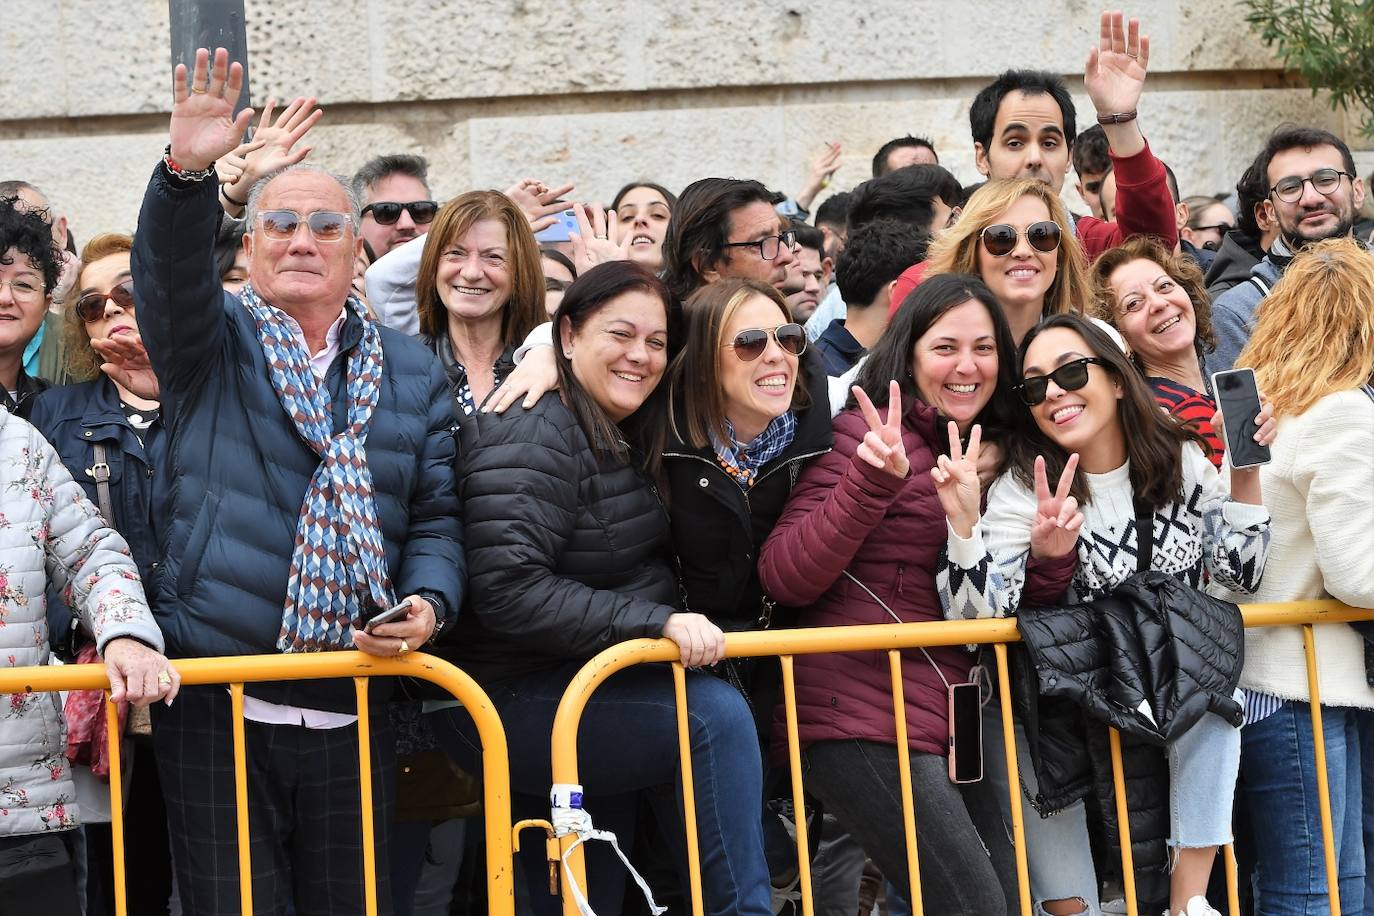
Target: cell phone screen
[(1238, 399), (965, 733)]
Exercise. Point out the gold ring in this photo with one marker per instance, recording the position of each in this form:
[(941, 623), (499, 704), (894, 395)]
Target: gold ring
[(405, 647), (164, 678), (198, 90)]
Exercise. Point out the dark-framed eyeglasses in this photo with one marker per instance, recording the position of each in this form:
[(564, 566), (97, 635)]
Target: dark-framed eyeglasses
[(386, 212), (1069, 377), (769, 246), (325, 225), (91, 307), (750, 343), (1000, 238), (1323, 181)]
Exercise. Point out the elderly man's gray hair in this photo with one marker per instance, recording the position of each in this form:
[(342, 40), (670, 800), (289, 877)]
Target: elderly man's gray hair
[(250, 210)]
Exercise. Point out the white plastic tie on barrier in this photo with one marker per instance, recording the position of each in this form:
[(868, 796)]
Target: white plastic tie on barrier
[(568, 817)]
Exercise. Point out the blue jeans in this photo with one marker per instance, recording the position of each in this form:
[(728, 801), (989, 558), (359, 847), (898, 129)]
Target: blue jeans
[(1279, 765), (628, 742)]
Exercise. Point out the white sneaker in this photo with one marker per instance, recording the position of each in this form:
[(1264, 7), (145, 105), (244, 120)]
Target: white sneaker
[(1197, 906)]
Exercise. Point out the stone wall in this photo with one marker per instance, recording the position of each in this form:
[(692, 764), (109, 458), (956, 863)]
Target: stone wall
[(599, 91)]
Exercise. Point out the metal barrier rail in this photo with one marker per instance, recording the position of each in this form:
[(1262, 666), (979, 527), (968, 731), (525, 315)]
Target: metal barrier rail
[(893, 638), (239, 670)]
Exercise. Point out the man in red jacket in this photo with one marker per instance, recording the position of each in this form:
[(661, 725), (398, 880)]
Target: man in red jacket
[(1024, 126)]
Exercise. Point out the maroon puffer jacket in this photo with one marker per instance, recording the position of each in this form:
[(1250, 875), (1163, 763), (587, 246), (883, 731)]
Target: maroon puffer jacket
[(889, 533)]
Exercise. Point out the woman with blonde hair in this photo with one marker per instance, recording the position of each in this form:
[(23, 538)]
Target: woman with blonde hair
[(1312, 350), (1017, 236), (1158, 301)]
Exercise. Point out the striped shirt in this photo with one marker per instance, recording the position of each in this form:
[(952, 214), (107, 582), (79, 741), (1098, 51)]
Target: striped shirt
[(1193, 408)]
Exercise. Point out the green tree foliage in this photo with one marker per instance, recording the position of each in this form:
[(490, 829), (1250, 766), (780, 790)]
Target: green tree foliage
[(1331, 42)]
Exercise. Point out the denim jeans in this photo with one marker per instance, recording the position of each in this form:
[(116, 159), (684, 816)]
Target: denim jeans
[(1281, 793), (628, 742)]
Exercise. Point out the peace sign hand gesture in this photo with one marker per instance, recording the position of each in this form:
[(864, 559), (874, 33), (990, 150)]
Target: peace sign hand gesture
[(1115, 73), (956, 480), (203, 126), (1055, 530), (882, 446)]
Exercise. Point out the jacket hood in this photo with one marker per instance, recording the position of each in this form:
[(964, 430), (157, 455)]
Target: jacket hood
[(1238, 253)]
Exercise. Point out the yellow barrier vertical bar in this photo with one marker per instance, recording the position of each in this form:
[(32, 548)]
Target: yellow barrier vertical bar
[(894, 658), (1123, 823), (1333, 889), (241, 799), (689, 795), (789, 705), (112, 736), (365, 791), (1018, 823), (1232, 882)]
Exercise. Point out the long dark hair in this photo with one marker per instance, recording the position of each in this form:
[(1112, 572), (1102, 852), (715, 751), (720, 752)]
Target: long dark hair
[(640, 437), (891, 356), (1154, 439)]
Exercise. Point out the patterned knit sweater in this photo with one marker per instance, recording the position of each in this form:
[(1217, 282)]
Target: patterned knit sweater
[(984, 573)]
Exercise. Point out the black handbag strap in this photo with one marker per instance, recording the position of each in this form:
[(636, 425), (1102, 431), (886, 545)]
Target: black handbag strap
[(1144, 537)]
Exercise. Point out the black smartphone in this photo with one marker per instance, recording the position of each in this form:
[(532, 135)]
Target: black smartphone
[(387, 616), (965, 733), (1238, 399)]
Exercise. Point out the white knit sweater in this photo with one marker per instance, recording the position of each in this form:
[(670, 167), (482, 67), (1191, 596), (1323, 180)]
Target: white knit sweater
[(1319, 489)]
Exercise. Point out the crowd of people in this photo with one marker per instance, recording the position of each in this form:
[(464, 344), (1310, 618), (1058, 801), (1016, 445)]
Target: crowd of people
[(296, 412)]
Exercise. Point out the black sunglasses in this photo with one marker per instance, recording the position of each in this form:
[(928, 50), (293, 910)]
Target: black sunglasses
[(1069, 377), (750, 343), (768, 247), (387, 212), (1000, 239), (91, 307)]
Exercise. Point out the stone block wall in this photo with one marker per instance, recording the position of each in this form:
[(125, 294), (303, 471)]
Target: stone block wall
[(603, 91)]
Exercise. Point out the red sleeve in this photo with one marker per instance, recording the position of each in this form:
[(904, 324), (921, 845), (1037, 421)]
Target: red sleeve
[(1143, 206), (1047, 580), (837, 502), (909, 280)]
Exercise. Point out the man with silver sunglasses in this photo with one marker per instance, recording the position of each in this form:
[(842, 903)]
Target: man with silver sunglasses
[(310, 489)]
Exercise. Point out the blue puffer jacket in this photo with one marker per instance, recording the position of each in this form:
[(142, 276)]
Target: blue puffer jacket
[(74, 418), (237, 469)]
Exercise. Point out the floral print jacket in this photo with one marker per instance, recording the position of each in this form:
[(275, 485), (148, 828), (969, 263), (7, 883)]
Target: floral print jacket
[(50, 531)]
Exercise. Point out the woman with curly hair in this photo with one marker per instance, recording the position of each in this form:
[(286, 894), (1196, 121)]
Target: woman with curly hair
[(1158, 302)]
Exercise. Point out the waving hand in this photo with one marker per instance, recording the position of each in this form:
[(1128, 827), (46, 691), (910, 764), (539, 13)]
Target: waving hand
[(203, 126)]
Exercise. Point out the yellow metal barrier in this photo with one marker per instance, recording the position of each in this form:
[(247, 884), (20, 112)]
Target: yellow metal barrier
[(892, 638), (240, 670)]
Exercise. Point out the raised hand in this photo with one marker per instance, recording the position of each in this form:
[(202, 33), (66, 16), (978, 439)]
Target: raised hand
[(1054, 533), (538, 202), (594, 242), (956, 480), (126, 363), (882, 445), (273, 141), (1115, 73), (822, 166), (203, 125)]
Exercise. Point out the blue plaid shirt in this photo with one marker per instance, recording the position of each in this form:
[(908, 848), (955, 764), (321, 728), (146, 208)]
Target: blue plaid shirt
[(743, 460)]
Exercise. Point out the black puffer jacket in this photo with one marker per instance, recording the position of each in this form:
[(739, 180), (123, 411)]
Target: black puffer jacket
[(718, 528), (569, 552), (1155, 644)]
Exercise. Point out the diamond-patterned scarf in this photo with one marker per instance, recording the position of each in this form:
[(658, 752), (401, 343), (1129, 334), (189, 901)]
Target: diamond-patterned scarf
[(338, 566)]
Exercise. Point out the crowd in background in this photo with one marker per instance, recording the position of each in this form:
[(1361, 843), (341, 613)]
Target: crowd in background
[(295, 412)]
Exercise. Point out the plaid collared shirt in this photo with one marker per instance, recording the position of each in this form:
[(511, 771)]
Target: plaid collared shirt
[(743, 460)]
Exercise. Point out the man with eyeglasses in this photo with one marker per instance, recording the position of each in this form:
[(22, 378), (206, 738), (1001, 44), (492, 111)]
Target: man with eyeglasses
[(726, 227), (310, 487), (1313, 194), (397, 203)]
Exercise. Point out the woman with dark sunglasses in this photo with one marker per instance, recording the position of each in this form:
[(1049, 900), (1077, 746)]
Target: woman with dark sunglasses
[(111, 441), (859, 542), (1088, 409)]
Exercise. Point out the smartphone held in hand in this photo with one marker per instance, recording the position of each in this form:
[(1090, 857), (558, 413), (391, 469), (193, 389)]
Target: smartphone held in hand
[(1239, 402), (390, 615)]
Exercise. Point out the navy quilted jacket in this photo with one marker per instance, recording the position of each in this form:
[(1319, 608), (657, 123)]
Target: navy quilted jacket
[(238, 470)]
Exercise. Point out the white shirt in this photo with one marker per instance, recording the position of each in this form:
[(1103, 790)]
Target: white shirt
[(277, 713)]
